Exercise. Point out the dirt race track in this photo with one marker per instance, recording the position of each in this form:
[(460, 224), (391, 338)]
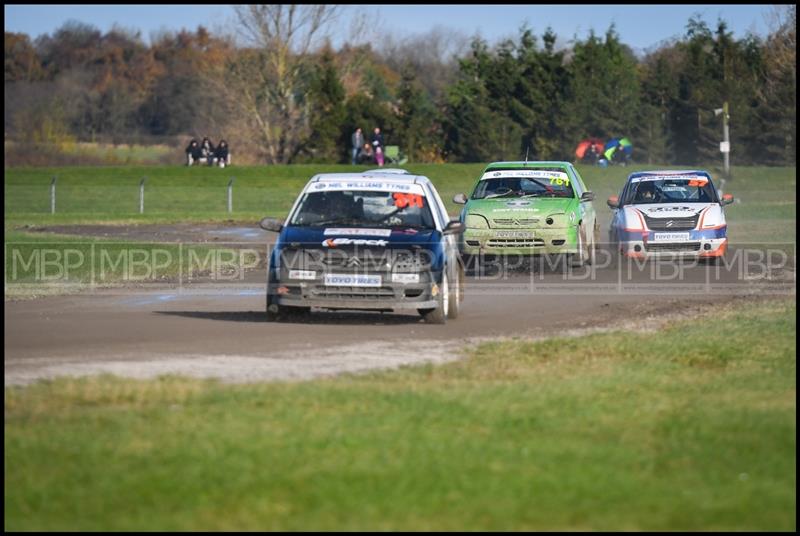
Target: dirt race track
[(219, 330)]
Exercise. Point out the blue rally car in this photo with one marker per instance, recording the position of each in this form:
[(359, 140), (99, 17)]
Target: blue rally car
[(669, 213), (378, 240)]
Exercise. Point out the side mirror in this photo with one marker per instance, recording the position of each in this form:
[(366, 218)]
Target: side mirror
[(613, 202), (271, 224), (454, 227), (727, 199), (587, 196), (460, 199)]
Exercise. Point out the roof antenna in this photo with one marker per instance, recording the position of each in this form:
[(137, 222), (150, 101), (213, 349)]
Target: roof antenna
[(526, 154)]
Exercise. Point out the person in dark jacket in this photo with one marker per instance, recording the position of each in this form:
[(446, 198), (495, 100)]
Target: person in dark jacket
[(207, 152), (366, 155), (377, 145), (620, 156), (192, 152), (222, 155)]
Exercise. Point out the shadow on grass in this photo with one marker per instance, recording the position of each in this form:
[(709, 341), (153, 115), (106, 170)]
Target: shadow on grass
[(319, 318)]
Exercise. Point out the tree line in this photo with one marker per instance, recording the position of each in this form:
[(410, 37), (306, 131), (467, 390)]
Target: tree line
[(280, 95)]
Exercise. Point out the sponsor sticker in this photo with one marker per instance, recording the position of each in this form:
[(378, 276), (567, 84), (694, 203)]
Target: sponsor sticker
[(519, 203), (352, 280), (670, 237), (690, 178), (513, 234), (402, 200), (334, 242), (366, 185), (302, 274), (357, 232), (669, 208), (405, 278), (534, 173)]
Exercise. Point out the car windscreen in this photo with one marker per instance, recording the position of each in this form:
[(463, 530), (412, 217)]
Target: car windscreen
[(523, 183), (688, 189), (367, 208)]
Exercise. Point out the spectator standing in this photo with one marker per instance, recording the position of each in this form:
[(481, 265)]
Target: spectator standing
[(356, 142), (377, 144), (192, 152)]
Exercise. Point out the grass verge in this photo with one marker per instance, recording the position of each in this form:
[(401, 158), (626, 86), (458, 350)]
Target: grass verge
[(688, 428)]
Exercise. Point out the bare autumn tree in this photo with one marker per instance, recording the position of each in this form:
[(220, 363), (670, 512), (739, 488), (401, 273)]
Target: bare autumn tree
[(267, 84)]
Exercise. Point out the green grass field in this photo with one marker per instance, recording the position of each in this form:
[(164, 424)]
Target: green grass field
[(765, 212), (689, 428)]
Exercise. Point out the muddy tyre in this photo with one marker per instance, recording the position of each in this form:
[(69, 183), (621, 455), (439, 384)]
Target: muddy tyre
[(439, 314), (456, 294), (585, 253)]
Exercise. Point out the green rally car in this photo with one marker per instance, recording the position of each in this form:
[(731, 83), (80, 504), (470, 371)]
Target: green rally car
[(529, 208)]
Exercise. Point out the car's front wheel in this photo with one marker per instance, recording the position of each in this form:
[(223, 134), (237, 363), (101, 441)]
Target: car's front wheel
[(439, 314), (586, 249), (273, 309), (277, 313), (456, 294)]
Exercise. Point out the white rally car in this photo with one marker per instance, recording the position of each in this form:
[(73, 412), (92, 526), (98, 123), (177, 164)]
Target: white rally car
[(669, 213)]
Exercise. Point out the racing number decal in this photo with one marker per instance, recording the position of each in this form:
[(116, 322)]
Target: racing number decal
[(560, 182), (402, 200), (698, 182)]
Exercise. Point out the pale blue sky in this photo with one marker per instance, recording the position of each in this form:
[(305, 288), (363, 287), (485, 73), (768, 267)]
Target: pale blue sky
[(640, 26)]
